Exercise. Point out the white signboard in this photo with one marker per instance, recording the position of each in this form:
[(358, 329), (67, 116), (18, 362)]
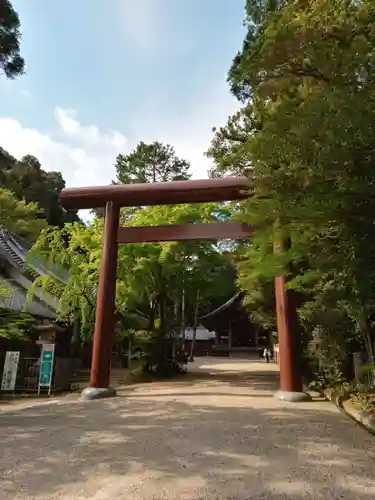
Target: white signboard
[(8, 382)]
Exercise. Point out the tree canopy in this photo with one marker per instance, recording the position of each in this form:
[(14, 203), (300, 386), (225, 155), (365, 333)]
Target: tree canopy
[(15, 325), (151, 278), (20, 217), (153, 162), (305, 79), (11, 62), (26, 179), (149, 163)]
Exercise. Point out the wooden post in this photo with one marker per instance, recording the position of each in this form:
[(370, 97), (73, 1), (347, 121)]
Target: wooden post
[(291, 387), (290, 379), (105, 309), (230, 337)]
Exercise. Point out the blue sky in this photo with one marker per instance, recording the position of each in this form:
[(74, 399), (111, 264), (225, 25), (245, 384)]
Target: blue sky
[(103, 75)]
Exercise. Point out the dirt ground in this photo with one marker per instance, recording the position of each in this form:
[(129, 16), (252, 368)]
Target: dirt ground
[(217, 434)]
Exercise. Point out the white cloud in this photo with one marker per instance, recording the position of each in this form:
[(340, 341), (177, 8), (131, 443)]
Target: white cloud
[(85, 155), (67, 121), (81, 163), (88, 135)]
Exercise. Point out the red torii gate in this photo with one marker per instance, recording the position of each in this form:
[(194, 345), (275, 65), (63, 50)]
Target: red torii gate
[(112, 198)]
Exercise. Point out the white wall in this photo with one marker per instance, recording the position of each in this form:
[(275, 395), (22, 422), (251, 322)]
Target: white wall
[(202, 334)]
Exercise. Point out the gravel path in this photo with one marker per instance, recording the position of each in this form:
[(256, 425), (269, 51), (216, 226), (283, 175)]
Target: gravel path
[(223, 437)]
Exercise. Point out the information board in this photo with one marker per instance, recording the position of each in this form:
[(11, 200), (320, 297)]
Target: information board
[(8, 382), (46, 367)]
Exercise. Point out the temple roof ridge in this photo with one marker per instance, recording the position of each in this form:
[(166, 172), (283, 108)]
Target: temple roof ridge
[(232, 301)]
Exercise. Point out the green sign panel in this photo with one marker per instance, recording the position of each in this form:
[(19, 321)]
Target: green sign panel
[(46, 366)]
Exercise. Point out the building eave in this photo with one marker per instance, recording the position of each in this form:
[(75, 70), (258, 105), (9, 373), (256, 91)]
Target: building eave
[(19, 275), (224, 307)]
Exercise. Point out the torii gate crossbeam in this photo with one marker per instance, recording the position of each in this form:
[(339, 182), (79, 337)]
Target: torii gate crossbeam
[(112, 198)]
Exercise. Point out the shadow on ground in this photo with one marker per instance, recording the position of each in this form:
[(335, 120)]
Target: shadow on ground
[(221, 438)]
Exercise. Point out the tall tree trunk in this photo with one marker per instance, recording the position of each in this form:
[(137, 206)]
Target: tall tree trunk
[(151, 318), (195, 326), (176, 312), (183, 313), (162, 314)]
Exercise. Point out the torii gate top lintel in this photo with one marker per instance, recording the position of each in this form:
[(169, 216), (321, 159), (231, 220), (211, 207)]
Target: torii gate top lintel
[(158, 193)]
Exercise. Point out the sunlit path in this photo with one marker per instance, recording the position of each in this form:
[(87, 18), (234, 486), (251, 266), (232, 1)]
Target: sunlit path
[(222, 436), (212, 365)]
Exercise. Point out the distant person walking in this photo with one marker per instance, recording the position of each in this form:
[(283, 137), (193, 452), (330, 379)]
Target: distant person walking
[(267, 354)]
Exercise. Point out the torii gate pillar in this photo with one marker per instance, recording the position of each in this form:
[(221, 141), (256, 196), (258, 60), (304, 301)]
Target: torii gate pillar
[(291, 387), (105, 310)]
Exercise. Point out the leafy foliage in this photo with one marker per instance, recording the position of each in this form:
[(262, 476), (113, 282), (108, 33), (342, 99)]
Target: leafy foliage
[(11, 62), (28, 181), (15, 325), (149, 163), (73, 253), (20, 217), (150, 279), (153, 162), (305, 138)]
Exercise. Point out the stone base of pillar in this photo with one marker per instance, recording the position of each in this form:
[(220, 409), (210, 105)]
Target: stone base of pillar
[(293, 397), (91, 393)]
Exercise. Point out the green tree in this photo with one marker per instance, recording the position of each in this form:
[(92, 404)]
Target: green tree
[(308, 147), (153, 162), (157, 274), (6, 162), (11, 62), (15, 325), (23, 219), (151, 277), (19, 217), (27, 180), (149, 163), (74, 253)]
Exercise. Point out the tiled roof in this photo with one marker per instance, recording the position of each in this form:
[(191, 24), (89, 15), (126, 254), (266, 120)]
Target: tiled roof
[(14, 250), (11, 249)]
